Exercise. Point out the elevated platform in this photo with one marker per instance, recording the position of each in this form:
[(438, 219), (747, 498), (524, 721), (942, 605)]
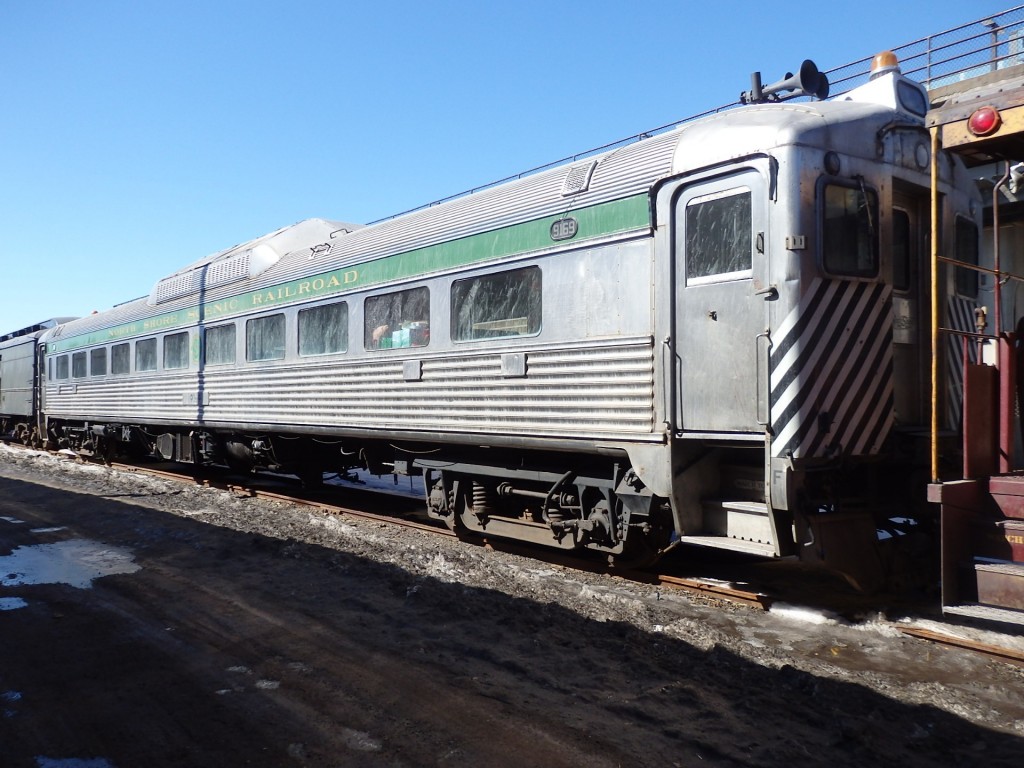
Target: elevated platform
[(982, 547)]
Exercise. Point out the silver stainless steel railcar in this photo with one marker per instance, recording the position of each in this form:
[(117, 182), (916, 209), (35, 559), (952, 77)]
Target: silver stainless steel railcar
[(711, 335), (19, 373)]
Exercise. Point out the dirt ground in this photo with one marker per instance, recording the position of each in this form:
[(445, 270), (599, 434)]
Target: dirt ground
[(148, 623)]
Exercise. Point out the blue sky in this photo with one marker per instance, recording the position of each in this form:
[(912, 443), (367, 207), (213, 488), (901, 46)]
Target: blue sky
[(137, 137)]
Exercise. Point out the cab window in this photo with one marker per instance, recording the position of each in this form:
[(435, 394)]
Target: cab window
[(967, 252), (850, 230), (901, 250)]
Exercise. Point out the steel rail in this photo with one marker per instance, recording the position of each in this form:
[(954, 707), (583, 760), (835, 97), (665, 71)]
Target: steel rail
[(700, 587)]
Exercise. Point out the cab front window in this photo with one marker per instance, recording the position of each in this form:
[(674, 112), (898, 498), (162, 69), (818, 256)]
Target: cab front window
[(850, 230)]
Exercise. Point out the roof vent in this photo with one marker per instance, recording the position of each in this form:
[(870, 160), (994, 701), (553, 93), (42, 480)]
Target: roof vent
[(578, 179), (248, 263)]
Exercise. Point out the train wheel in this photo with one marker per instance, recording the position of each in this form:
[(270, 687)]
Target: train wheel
[(646, 544)]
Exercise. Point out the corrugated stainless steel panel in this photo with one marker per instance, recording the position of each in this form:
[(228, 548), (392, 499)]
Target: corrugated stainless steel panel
[(17, 369), (580, 393), (149, 398), (602, 389)]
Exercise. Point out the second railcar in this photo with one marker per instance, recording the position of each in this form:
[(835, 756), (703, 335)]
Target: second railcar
[(19, 373)]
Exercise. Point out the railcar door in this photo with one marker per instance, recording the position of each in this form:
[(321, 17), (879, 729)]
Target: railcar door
[(719, 241), (909, 274)]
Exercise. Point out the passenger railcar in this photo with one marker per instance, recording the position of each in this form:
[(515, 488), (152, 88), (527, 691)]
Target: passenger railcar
[(19, 390), (712, 335)]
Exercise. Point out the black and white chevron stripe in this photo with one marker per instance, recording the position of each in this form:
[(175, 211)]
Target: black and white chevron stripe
[(831, 372), (960, 318)]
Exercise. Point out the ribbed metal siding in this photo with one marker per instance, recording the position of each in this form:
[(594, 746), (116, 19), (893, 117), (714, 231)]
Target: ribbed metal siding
[(591, 391), (141, 398), (604, 389)]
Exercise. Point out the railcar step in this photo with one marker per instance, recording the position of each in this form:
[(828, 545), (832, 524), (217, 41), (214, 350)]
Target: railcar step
[(737, 524), (735, 545)]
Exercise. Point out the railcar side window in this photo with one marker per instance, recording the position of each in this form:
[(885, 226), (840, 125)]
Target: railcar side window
[(323, 330), (98, 362), (219, 344), (400, 319), (176, 350), (62, 367), (850, 239), (493, 306), (120, 359), (145, 355), (264, 338), (718, 237), (967, 252), (78, 365)]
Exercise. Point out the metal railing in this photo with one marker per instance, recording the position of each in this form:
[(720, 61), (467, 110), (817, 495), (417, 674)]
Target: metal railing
[(977, 48)]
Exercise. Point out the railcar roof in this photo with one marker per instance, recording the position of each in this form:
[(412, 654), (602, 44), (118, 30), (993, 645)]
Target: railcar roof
[(318, 245), (36, 328)]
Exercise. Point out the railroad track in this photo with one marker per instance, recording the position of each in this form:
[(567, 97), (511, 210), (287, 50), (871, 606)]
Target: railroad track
[(703, 587)]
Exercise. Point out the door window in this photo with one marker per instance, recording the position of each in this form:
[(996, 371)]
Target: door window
[(717, 231)]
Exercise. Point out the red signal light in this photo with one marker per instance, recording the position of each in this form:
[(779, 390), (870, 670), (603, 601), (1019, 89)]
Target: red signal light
[(984, 121)]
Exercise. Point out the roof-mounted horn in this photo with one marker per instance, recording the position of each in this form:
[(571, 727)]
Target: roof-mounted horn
[(807, 82)]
